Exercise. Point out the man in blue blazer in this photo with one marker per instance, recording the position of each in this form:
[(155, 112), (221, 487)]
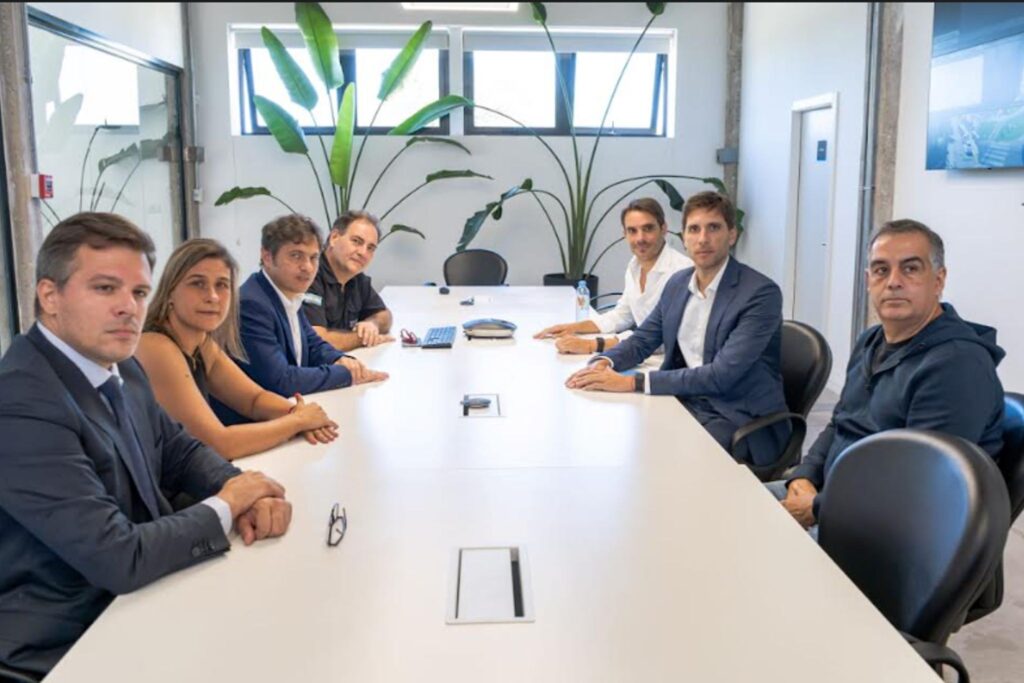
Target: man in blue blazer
[(89, 459), (285, 354), (721, 325)]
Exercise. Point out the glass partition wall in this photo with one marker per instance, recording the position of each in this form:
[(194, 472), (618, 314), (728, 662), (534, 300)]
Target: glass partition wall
[(107, 130)]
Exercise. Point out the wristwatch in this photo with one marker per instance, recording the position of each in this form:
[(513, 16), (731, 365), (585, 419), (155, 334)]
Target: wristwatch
[(600, 344), (639, 382)]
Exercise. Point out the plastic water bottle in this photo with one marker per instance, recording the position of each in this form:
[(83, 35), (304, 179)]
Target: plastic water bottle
[(582, 301)]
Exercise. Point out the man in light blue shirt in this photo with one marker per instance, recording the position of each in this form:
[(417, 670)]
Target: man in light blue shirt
[(90, 459)]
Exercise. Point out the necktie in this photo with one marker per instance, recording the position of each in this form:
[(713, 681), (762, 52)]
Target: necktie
[(137, 463)]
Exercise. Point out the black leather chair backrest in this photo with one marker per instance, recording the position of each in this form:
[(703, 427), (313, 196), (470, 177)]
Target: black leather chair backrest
[(1011, 457), (918, 520), (475, 267), (806, 364)]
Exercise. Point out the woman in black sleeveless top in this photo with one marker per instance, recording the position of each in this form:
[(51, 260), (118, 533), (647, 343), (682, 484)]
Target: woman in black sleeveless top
[(191, 329)]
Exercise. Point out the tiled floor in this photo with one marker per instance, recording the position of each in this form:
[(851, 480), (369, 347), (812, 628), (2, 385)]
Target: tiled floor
[(993, 647)]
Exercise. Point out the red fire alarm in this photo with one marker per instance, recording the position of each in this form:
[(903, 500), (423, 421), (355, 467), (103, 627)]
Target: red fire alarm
[(42, 186)]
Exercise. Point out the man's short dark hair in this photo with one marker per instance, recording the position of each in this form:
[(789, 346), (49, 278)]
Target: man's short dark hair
[(711, 201), (648, 205), (904, 226), (349, 217), (56, 258), (291, 229)]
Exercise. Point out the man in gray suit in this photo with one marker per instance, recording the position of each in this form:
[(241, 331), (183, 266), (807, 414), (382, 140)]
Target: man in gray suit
[(721, 325), (88, 459)]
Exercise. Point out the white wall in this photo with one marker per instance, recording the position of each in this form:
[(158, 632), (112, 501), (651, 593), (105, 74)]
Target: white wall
[(521, 236), (152, 28), (793, 52), (979, 214)]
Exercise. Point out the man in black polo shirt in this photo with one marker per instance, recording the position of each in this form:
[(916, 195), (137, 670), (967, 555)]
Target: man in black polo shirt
[(341, 305)]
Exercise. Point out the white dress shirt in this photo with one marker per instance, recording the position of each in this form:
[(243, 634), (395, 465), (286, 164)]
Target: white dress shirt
[(694, 325), (291, 311), (695, 319), (97, 376), (635, 304)]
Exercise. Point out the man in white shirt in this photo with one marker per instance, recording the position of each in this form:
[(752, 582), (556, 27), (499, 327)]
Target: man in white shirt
[(652, 264), (90, 459), (721, 325)]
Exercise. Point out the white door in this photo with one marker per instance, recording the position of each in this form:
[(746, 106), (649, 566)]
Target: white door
[(810, 282)]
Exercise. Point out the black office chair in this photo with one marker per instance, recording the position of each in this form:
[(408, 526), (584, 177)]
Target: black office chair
[(1011, 464), (806, 364), (608, 305), (475, 267), (11, 675), (918, 520)]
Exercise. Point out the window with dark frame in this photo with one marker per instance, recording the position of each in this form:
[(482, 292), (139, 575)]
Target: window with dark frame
[(252, 67), (639, 109)]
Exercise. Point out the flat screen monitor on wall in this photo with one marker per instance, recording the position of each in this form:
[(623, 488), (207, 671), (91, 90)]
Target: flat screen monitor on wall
[(976, 100)]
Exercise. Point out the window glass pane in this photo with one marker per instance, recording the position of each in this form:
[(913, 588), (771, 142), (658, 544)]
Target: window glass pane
[(596, 73), (419, 88), (520, 84), (107, 131), (267, 83), (109, 84)]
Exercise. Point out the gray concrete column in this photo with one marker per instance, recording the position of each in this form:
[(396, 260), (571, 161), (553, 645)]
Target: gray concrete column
[(734, 76), (20, 153)]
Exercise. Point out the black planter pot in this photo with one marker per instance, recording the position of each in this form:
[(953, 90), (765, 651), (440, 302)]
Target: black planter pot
[(560, 280)]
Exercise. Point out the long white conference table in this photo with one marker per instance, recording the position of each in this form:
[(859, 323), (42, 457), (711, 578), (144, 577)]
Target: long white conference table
[(650, 555)]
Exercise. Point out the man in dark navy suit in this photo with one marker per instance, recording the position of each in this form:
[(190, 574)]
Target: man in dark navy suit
[(285, 354), (721, 325), (89, 459)]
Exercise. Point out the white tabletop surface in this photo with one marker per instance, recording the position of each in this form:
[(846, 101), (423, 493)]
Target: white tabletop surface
[(653, 556)]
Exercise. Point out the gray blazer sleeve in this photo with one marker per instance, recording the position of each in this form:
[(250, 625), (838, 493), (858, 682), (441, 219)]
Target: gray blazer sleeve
[(644, 341), (50, 486)]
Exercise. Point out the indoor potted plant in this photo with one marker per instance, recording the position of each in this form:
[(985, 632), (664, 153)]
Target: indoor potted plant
[(575, 216)]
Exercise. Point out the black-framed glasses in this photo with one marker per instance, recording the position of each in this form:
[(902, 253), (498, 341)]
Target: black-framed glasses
[(338, 525)]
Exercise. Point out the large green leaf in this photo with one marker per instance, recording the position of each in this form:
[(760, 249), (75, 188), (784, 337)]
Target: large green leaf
[(522, 187), (473, 225), (403, 62), (444, 175), (656, 8), (675, 200), (241, 193), (430, 113), (398, 227), (540, 13), (300, 90), (443, 141), (283, 126), (341, 151), (717, 182), (321, 42)]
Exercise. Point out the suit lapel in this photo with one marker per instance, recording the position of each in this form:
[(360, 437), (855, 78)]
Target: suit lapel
[(674, 318), (282, 317), (91, 404), (723, 302)]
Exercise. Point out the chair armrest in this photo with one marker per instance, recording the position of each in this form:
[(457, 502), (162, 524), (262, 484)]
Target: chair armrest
[(605, 307), (790, 453), (936, 655), (796, 421), (9, 675)]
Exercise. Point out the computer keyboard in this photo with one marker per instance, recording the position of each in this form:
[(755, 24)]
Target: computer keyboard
[(438, 338)]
